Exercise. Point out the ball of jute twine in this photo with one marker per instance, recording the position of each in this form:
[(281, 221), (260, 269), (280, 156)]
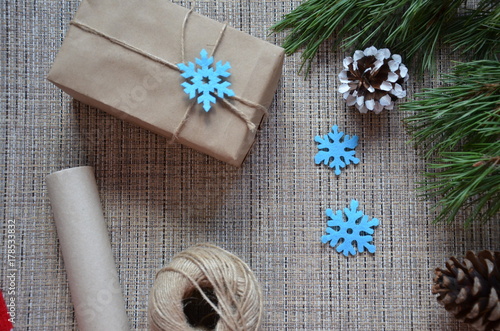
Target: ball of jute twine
[(230, 296)]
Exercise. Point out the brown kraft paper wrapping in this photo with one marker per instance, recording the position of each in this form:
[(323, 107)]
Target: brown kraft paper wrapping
[(86, 250), (136, 89)]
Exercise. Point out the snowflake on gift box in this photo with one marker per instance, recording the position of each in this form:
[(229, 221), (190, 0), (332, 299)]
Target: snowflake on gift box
[(357, 229), (204, 80), (335, 150)]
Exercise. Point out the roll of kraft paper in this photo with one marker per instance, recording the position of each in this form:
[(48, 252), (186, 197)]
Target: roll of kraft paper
[(86, 250)]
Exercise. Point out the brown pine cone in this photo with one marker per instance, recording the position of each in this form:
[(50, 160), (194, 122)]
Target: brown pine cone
[(373, 79), (470, 290)]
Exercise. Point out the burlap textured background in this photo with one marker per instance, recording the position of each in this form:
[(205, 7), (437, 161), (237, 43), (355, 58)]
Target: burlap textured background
[(160, 199)]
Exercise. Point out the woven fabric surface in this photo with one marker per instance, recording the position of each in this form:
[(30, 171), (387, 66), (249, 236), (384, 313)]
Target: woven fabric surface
[(159, 199)]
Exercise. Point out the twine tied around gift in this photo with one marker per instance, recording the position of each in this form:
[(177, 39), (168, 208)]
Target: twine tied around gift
[(175, 135)]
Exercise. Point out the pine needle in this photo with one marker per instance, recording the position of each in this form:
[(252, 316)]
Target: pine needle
[(457, 128), (476, 33), (412, 28)]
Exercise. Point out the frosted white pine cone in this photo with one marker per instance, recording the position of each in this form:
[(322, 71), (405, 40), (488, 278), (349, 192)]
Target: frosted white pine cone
[(372, 80)]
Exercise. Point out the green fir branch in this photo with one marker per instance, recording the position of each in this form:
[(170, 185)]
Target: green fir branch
[(314, 21), (457, 128), (421, 28), (413, 28), (467, 181), (476, 34)]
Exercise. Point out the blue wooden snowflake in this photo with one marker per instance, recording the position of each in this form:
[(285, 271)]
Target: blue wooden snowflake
[(335, 150), (204, 80), (357, 228)]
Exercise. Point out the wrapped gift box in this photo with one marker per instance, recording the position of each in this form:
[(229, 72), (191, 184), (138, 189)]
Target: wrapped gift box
[(118, 56)]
